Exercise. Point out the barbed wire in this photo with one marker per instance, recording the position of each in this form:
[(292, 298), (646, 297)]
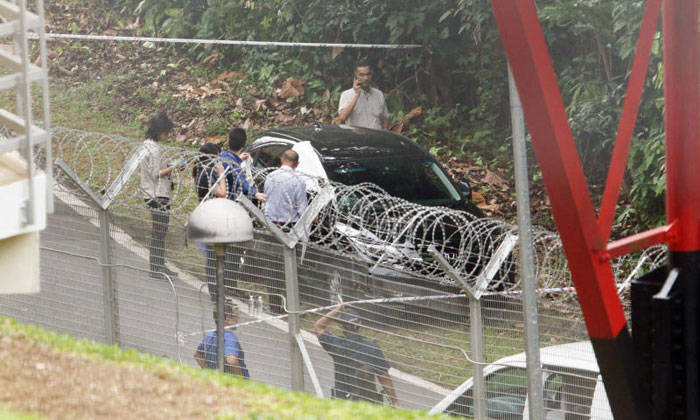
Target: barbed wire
[(361, 219)]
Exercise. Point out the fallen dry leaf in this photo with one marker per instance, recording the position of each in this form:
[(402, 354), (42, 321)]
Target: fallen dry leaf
[(283, 118), (335, 51), (212, 58), (398, 127), (489, 207), (415, 112), (230, 75), (492, 178), (247, 124), (478, 198), (213, 139), (276, 103), (292, 88)]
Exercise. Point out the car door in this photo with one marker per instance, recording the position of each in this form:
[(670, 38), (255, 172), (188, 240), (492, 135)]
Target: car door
[(268, 155), (506, 391), (567, 394)]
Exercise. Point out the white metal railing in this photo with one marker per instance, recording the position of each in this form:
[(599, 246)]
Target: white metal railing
[(22, 135)]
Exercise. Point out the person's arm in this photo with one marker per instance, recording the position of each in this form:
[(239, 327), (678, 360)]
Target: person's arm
[(166, 171), (163, 168), (199, 356), (388, 386), (322, 324), (234, 365), (344, 110), (220, 187)]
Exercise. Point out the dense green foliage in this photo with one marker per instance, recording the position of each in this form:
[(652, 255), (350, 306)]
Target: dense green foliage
[(459, 77)]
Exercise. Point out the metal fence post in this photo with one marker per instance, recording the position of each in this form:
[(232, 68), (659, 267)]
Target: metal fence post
[(111, 308), (220, 252), (288, 240), (527, 275), (477, 352), (476, 326), (292, 287)]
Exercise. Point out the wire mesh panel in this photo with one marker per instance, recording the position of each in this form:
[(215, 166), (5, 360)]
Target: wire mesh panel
[(129, 275), (71, 286)]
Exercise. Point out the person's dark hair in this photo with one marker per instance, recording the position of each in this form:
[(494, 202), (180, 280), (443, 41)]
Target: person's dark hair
[(205, 157), (350, 320), (362, 63), (158, 125), (236, 139), (291, 156), (228, 310)]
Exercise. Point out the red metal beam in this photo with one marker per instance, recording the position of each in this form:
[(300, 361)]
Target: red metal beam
[(625, 129), (680, 20), (638, 242), (581, 235), (561, 169)]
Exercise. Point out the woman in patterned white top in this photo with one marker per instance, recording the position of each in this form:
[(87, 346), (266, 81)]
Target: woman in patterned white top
[(156, 183)]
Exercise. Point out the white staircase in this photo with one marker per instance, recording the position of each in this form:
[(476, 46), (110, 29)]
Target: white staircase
[(25, 188)]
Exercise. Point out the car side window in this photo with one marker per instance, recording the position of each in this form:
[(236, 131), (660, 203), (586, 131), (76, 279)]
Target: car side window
[(269, 156), (568, 396), (506, 391), (552, 391), (577, 396)]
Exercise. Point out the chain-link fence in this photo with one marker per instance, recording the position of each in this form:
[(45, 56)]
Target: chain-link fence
[(422, 334)]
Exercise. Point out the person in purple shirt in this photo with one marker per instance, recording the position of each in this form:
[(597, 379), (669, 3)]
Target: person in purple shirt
[(232, 160), (234, 358)]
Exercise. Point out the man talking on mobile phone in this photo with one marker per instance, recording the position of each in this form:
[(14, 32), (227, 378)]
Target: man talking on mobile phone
[(363, 105)]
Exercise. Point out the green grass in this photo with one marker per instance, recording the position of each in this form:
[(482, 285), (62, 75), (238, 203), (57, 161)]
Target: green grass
[(92, 107), (262, 401), (8, 414)]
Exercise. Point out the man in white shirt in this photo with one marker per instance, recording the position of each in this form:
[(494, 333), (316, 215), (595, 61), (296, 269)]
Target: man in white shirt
[(286, 201), (363, 105), (285, 191)]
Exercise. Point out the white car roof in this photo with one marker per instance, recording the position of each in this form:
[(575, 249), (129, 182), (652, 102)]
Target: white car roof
[(579, 356)]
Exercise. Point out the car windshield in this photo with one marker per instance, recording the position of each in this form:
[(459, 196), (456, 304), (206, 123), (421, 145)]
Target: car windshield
[(418, 180)]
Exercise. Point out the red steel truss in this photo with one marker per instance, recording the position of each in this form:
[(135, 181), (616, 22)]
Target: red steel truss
[(585, 236)]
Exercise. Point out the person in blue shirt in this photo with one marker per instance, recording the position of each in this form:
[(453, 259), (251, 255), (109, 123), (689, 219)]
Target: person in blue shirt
[(232, 160), (234, 358), (236, 183)]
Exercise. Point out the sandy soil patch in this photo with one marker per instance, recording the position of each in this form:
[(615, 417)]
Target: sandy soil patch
[(37, 379)]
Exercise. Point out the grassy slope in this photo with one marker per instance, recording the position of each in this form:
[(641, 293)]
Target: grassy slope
[(268, 402)]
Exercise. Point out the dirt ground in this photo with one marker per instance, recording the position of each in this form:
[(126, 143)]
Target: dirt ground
[(36, 379)]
